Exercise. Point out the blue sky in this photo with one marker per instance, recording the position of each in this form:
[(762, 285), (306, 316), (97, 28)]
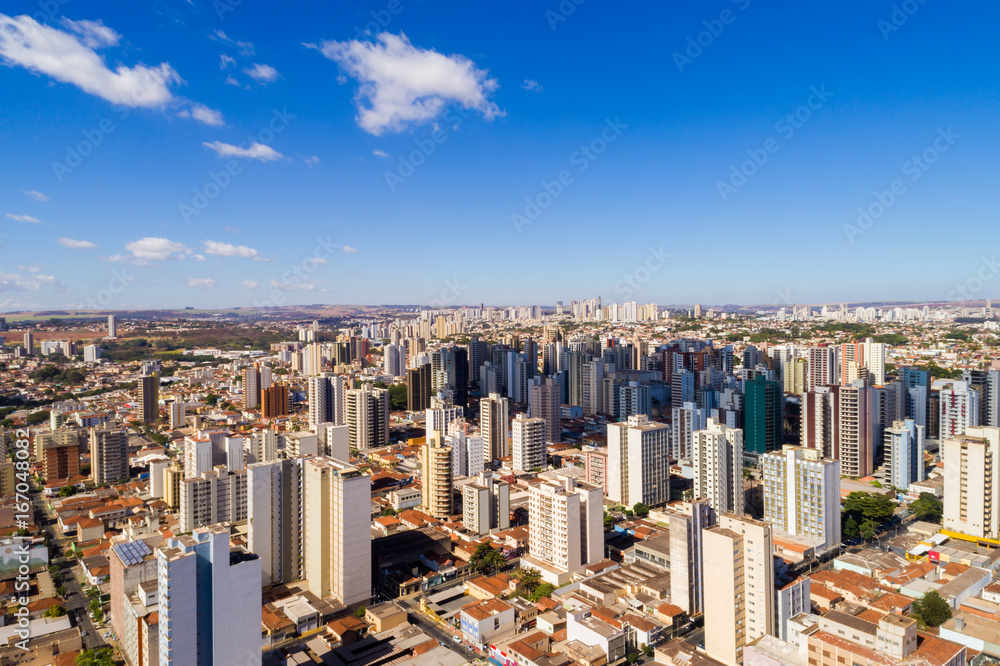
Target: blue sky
[(417, 149)]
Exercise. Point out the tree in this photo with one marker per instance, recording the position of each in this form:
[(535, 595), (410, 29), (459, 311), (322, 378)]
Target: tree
[(487, 559), (360, 613), (528, 579), (542, 591), (211, 400), (931, 609), (99, 657), (388, 511), (927, 507), (640, 510), (397, 397), (67, 491), (609, 521), (55, 611), (851, 530), (873, 507), (62, 591)]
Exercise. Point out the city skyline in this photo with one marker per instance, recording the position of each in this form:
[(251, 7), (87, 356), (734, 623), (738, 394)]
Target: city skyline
[(497, 149)]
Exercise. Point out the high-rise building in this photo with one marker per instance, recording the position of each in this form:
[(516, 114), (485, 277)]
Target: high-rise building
[(544, 402), (822, 367), (918, 386), (251, 387), (274, 401), (91, 354), (149, 397), (718, 467), (763, 416), (486, 504), (739, 586), (217, 496), (367, 411), (327, 399), (108, 455), (796, 375), (60, 452), (338, 557), (178, 413), (112, 326), (959, 408), (971, 482), (874, 361), (687, 522), (418, 388), (436, 477), (802, 494), (687, 419), (394, 360), (565, 527), (854, 429), (528, 446), (639, 462), (494, 423), (29, 343), (132, 566), (275, 506), (592, 387), (208, 613), (904, 454)]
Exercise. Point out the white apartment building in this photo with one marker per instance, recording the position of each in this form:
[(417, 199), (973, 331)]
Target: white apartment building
[(565, 527), (718, 467), (214, 497), (802, 494), (528, 443), (274, 512), (971, 486), (639, 462)]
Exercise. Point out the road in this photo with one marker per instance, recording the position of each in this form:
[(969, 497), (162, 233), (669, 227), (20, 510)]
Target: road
[(444, 635), (77, 604)]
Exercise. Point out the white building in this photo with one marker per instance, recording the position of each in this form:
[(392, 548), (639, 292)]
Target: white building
[(971, 486), (274, 512), (687, 420), (802, 494), (178, 412), (528, 443), (214, 497), (494, 423), (326, 399), (718, 467), (639, 462), (904, 454), (959, 408), (209, 614), (565, 527), (486, 504)]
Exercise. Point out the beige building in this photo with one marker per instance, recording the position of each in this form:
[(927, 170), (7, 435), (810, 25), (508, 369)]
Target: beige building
[(565, 527), (639, 462), (108, 455), (486, 504), (494, 422), (338, 550), (435, 459), (718, 467), (739, 586), (971, 486), (214, 497)]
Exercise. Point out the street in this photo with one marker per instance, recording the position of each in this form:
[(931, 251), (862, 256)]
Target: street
[(76, 602)]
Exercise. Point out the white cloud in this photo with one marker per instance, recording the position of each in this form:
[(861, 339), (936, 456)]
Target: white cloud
[(402, 85), (23, 218), (256, 151), (115, 258), (220, 249), (348, 248), (18, 282), (201, 283), (157, 249), (230, 81), (203, 114), (532, 85), (71, 59), (35, 194), (248, 284), (76, 244), (262, 73), (312, 159), (231, 230), (293, 286), (380, 153), (33, 268), (245, 48), (225, 62), (198, 257)]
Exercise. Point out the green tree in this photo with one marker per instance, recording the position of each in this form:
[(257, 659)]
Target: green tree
[(851, 530), (927, 507), (99, 657), (487, 559), (397, 397), (528, 579), (609, 521), (211, 400), (55, 611), (388, 511), (873, 507), (542, 591), (67, 491), (360, 613), (931, 609), (62, 591), (640, 510)]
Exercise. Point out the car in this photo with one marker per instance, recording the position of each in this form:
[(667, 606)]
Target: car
[(83, 633), (457, 639)]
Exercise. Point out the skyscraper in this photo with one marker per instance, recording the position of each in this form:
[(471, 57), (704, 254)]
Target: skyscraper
[(327, 399), (367, 417), (687, 419), (638, 462), (29, 343), (251, 387), (904, 453), (418, 388), (565, 527), (274, 401), (739, 586), (149, 397), (528, 445), (687, 522), (544, 403), (494, 423), (112, 326), (718, 467), (802, 494), (971, 483), (436, 477), (763, 416), (338, 556), (108, 455), (208, 613), (275, 506), (959, 408), (822, 366)]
